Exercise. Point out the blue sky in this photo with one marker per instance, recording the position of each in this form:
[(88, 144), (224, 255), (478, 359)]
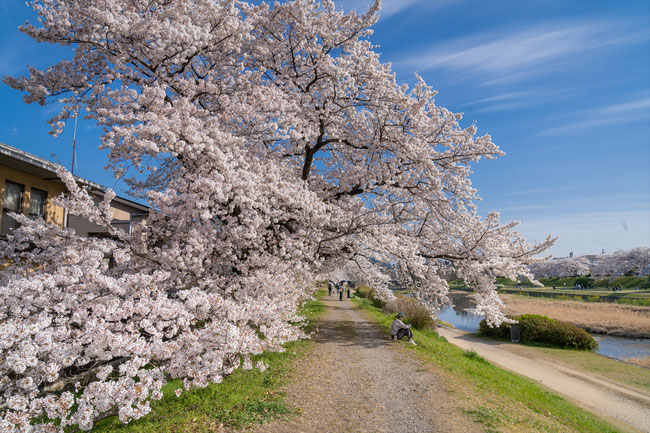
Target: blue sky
[(562, 86)]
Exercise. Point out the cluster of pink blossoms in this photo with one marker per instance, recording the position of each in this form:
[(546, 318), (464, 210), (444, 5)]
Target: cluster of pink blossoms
[(273, 147)]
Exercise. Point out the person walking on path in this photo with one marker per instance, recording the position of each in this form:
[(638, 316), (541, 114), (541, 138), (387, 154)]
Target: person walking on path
[(398, 329), (341, 293), (329, 287), (350, 287)]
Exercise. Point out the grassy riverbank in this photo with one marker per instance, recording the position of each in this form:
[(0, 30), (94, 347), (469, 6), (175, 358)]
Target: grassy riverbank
[(565, 291), (500, 400), (242, 399)]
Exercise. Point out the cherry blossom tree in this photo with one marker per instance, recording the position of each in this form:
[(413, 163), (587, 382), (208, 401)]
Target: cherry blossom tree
[(273, 147), (562, 267), (620, 263), (636, 260)]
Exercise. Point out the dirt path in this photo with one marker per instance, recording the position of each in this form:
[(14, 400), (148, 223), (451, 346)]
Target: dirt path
[(603, 397), (357, 380)]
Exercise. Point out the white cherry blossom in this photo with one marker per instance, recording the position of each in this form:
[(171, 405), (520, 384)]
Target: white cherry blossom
[(273, 148)]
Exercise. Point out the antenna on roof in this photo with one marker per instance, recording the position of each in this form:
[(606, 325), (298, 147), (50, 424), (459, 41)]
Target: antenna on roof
[(74, 143)]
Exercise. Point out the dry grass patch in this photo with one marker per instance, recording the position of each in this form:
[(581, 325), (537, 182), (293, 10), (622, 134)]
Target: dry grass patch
[(643, 361), (599, 317), (416, 314)]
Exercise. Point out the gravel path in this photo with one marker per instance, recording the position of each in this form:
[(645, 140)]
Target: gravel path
[(356, 380), (589, 391)]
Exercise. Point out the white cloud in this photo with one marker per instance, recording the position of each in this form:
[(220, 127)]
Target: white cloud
[(639, 104), (502, 97), (499, 56), (542, 190), (388, 7), (620, 113)]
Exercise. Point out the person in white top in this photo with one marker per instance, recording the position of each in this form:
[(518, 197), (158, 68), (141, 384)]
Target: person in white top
[(399, 330)]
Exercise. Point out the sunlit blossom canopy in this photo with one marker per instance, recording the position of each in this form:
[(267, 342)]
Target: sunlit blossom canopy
[(274, 149)]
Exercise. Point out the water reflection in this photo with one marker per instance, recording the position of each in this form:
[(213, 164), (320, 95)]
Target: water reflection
[(621, 348), (458, 316)]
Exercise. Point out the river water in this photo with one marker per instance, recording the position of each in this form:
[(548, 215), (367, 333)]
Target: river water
[(613, 347)]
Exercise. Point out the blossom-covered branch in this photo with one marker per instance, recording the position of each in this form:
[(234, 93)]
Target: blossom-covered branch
[(272, 146)]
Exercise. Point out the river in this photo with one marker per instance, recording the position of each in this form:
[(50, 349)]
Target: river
[(613, 347)]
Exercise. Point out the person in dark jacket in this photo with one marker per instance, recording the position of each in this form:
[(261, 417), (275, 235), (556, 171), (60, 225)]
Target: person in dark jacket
[(350, 287), (399, 330)]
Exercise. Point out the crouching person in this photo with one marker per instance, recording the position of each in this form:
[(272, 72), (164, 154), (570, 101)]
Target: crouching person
[(398, 329)]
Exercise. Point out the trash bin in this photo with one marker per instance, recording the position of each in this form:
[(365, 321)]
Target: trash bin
[(515, 333)]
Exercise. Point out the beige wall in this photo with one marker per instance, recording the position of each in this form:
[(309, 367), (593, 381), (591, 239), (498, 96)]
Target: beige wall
[(53, 214), (120, 211)]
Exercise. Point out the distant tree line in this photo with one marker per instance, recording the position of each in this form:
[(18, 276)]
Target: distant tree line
[(633, 262)]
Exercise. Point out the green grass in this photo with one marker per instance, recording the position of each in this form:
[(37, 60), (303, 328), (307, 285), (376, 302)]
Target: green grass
[(568, 282), (624, 282), (500, 400), (242, 399)]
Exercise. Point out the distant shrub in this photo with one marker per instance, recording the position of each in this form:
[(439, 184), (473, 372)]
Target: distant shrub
[(369, 293), (416, 314), (363, 291), (542, 329), (502, 331), (585, 283)]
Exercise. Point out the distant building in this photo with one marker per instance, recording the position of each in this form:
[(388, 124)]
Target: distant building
[(28, 184)]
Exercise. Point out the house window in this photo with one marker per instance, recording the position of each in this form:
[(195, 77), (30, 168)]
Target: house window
[(37, 203), (12, 203)]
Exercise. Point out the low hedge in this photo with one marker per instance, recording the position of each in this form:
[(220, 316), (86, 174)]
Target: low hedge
[(416, 314), (369, 293), (542, 329)]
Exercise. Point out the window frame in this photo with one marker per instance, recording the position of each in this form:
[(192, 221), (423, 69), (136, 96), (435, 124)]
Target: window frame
[(43, 194), (6, 210)]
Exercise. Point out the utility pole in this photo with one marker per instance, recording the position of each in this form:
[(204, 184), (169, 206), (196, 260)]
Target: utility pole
[(74, 143), (74, 151)]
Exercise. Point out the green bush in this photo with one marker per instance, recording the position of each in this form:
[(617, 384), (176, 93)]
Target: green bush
[(502, 331), (369, 293), (416, 314), (542, 329), (586, 283), (364, 291)]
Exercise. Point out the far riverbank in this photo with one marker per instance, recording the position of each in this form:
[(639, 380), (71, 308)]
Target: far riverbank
[(619, 320)]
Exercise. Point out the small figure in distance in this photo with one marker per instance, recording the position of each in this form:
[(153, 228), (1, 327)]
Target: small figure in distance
[(342, 289), (350, 287), (329, 287), (398, 329), (554, 288)]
